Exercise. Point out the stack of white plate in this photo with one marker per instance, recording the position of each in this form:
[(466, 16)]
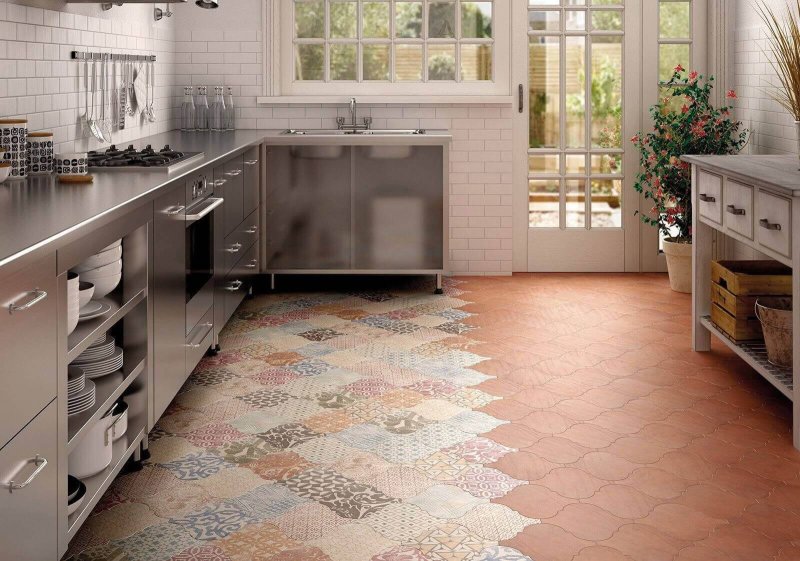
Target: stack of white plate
[(103, 269), (76, 380), (97, 351), (83, 400), (99, 367)]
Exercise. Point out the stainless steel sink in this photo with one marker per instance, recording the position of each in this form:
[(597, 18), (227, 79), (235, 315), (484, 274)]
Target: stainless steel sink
[(335, 132)]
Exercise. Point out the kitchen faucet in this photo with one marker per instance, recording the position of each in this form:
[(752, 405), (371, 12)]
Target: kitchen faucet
[(354, 126)]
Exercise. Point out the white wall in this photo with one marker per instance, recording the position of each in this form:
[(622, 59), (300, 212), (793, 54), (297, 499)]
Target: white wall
[(773, 128), (224, 47), (38, 80)]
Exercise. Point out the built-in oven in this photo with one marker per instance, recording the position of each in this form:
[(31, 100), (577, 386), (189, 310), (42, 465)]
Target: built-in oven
[(199, 219)]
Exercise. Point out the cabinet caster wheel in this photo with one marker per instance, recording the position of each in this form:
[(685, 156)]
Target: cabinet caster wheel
[(132, 466), (438, 291), (217, 348), (212, 351)]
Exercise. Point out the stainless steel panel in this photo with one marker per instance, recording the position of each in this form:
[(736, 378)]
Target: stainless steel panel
[(252, 180), (199, 340), (29, 529), (219, 255), (308, 223), (240, 240), (233, 192), (29, 331), (198, 306), (239, 281), (169, 298), (398, 207)]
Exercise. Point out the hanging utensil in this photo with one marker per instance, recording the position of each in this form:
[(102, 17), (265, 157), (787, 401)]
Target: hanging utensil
[(151, 107), (122, 108), (130, 108), (104, 119), (93, 123)]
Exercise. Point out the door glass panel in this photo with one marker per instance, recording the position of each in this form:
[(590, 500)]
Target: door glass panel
[(606, 203), (544, 20), (544, 203), (607, 164), (670, 56), (607, 20), (576, 203), (575, 20), (476, 20), (674, 20), (576, 164), (576, 92), (607, 2), (543, 163), (476, 62), (607, 92), (544, 69)]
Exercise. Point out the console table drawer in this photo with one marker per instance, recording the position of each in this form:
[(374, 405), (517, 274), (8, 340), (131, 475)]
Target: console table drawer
[(738, 199), (709, 195), (773, 223)]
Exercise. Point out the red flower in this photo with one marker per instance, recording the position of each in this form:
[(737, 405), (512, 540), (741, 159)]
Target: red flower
[(698, 129), (685, 109), (731, 94), (635, 138), (679, 68), (693, 76)]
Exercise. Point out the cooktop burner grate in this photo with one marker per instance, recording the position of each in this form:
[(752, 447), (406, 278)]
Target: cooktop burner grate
[(147, 158)]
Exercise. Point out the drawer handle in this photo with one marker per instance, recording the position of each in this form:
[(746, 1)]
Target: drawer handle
[(196, 345), (764, 223), (220, 182), (235, 248), (736, 211), (250, 162), (174, 210), (40, 464), (39, 295), (234, 173), (234, 286), (252, 265), (706, 198), (252, 230)]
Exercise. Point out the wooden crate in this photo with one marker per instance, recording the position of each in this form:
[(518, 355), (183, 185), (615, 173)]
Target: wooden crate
[(737, 306), (753, 278), (737, 328)]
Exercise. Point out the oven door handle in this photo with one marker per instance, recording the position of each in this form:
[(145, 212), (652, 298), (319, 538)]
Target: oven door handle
[(215, 203)]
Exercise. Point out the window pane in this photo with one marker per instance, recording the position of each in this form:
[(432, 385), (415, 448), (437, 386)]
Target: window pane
[(544, 20), (545, 64), (576, 92), (343, 62), (310, 62), (476, 62), (441, 62), (442, 20), (544, 203), (607, 20), (607, 92), (309, 19), (607, 163), (409, 20), (670, 56), (575, 20), (608, 2), (376, 19), (408, 63), (476, 20), (576, 203), (606, 203), (544, 2), (376, 62), (543, 163), (674, 20), (344, 20), (576, 163)]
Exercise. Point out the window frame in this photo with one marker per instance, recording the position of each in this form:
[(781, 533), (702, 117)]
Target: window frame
[(280, 86)]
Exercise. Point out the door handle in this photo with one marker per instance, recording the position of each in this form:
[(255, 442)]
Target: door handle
[(215, 203), (174, 210), (234, 286), (235, 248), (706, 198), (251, 230), (736, 211), (521, 99), (220, 182), (250, 162), (39, 295), (766, 224), (233, 173), (252, 265), (196, 345), (40, 464)]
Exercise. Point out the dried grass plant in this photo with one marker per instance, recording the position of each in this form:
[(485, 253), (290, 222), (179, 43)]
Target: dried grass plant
[(784, 41)]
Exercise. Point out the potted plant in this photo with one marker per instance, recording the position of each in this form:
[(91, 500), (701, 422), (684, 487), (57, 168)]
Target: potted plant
[(784, 41), (684, 122)]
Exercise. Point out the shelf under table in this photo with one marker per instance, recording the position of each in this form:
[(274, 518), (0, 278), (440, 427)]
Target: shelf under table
[(754, 353)]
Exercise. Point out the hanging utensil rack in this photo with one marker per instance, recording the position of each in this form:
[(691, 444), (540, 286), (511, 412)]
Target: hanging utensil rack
[(84, 55)]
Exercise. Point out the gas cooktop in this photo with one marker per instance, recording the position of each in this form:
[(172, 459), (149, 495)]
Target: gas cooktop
[(146, 159)]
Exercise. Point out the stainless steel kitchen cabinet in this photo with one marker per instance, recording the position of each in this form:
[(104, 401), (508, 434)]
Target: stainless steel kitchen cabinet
[(252, 180), (239, 281), (234, 193), (29, 519), (169, 297), (29, 331)]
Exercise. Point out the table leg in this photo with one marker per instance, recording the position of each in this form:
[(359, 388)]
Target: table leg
[(702, 247)]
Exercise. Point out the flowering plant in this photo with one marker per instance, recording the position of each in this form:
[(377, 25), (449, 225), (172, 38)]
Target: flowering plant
[(684, 122)]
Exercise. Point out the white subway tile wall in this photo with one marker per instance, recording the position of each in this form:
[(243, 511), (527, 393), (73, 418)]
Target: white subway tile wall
[(480, 157), (38, 80), (773, 128)]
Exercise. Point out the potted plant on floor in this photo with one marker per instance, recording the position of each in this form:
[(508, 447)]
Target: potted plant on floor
[(684, 122), (783, 36)]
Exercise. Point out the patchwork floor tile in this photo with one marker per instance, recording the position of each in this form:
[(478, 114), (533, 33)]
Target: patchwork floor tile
[(446, 501), (352, 542), (279, 466), (215, 521), (449, 542)]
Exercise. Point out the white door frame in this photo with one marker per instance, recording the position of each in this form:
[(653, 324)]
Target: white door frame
[(554, 241)]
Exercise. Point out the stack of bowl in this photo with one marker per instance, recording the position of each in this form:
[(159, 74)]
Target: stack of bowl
[(103, 270), (73, 301)]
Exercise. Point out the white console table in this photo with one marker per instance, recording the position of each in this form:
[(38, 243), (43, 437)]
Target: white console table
[(756, 201)]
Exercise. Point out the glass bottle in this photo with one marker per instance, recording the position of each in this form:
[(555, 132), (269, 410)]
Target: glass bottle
[(188, 117), (216, 113), (230, 111), (201, 108)]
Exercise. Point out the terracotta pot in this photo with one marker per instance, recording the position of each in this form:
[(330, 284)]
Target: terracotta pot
[(679, 265), (775, 315)]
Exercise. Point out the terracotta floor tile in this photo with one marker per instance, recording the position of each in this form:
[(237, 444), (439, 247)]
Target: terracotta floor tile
[(534, 501), (587, 522), (589, 435), (601, 553), (559, 450), (686, 466), (571, 482), (545, 542), (507, 409), (638, 449), (742, 483), (657, 483), (713, 501), (681, 522), (578, 409), (644, 543), (606, 466), (623, 501), (514, 436), (546, 422), (742, 543), (772, 522), (525, 466), (701, 553)]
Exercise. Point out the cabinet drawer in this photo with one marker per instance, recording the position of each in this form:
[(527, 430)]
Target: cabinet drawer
[(29, 332), (773, 223), (199, 341), (233, 191), (738, 199), (240, 280), (709, 195), (252, 180), (29, 531), (240, 240)]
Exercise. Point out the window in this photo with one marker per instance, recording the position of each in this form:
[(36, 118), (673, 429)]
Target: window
[(392, 47)]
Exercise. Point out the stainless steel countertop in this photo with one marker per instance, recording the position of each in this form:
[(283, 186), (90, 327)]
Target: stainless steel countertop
[(38, 214), (776, 172)]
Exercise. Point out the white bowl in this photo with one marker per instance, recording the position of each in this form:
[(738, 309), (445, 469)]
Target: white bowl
[(113, 268), (112, 246), (73, 301), (85, 293), (106, 257), (104, 285)]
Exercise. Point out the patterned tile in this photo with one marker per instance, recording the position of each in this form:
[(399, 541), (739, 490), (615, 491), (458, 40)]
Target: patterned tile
[(320, 334), (269, 501), (401, 553), (308, 521), (265, 398), (201, 553), (446, 501), (215, 521), (196, 466), (244, 451), (279, 466), (352, 542), (257, 542), (501, 553), (161, 541), (287, 436), (213, 435), (494, 522), (401, 422), (485, 482), (449, 542), (401, 522)]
